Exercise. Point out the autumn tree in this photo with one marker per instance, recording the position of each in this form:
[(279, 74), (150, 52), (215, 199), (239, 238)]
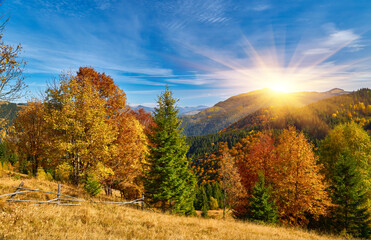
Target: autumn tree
[(289, 165), (254, 154), (77, 116), (129, 125), (168, 180), (207, 168), (28, 135), (145, 118), (11, 68), (299, 187), (230, 179)]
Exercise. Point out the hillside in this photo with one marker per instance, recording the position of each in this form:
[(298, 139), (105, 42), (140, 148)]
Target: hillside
[(182, 110), (8, 111), (315, 119), (224, 113), (93, 221)]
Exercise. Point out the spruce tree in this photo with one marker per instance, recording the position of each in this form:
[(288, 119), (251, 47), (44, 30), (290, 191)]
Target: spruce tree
[(349, 196), (262, 207), (217, 193), (205, 203), (168, 181), (198, 198)]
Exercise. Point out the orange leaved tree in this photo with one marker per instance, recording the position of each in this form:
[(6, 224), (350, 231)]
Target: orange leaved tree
[(130, 140), (290, 167), (81, 135), (28, 136), (299, 187)]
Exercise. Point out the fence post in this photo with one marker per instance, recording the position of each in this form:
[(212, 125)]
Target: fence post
[(59, 192), (17, 189), (142, 201)]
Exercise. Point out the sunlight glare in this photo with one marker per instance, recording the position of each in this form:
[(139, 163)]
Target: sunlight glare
[(280, 87)]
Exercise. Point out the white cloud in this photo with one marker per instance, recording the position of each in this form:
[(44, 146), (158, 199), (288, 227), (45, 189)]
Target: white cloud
[(261, 7), (340, 38), (336, 40), (196, 81), (316, 51)]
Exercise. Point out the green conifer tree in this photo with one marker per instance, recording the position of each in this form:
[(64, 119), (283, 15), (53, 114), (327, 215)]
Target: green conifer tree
[(262, 207), (198, 198), (209, 191), (217, 193), (349, 214), (205, 203), (168, 180)]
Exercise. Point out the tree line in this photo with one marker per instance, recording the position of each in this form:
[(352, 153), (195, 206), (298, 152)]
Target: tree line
[(281, 178)]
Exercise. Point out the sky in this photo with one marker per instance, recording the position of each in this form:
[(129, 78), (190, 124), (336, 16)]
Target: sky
[(205, 50)]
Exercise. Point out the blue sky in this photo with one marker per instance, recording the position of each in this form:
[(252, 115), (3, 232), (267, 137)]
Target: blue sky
[(205, 50)]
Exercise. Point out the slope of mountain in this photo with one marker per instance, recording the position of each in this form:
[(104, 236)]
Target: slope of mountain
[(314, 119), (8, 111), (182, 110), (112, 221), (224, 113)]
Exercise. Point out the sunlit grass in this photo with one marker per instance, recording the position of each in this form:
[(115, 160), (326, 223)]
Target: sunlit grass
[(99, 221)]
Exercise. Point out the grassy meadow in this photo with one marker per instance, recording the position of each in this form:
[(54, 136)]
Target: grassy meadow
[(104, 221)]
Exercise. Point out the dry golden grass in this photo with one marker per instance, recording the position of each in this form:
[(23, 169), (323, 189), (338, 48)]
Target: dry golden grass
[(99, 221)]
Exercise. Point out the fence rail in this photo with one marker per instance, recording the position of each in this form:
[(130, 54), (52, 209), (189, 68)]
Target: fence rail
[(61, 199)]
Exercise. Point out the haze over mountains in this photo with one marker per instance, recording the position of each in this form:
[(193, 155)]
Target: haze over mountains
[(227, 115), (226, 112), (182, 110)]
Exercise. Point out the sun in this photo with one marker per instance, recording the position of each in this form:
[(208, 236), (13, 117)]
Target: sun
[(281, 87)]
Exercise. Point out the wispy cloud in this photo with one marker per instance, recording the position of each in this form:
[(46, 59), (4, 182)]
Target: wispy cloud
[(199, 47), (337, 39), (181, 14), (194, 81), (261, 7), (309, 68)]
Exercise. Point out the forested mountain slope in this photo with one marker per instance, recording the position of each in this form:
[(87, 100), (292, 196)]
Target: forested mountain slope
[(8, 111), (315, 119), (224, 113)]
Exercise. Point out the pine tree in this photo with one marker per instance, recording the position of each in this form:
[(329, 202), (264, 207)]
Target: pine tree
[(205, 203), (209, 191), (261, 206), (217, 193), (198, 198), (168, 181), (349, 196)]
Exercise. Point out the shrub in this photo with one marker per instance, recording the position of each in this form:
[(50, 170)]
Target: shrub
[(63, 172), (42, 175), (213, 203), (92, 186)]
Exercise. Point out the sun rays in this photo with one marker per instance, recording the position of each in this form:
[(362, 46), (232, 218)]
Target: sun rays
[(304, 68)]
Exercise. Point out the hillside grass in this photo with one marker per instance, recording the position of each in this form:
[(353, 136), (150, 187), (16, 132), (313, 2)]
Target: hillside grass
[(104, 221)]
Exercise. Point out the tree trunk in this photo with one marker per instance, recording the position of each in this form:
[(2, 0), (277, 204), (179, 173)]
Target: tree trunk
[(224, 202), (163, 206)]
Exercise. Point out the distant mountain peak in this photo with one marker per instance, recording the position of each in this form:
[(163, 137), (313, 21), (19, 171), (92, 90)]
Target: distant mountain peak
[(336, 91)]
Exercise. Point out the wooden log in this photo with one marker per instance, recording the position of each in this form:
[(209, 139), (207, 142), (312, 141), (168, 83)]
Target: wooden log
[(33, 201), (14, 193), (72, 200), (47, 192), (69, 204), (49, 201)]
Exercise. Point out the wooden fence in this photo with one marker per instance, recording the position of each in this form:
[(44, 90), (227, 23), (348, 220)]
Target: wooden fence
[(61, 199)]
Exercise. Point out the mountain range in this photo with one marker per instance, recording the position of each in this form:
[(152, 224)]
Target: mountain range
[(183, 111), (227, 112)]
